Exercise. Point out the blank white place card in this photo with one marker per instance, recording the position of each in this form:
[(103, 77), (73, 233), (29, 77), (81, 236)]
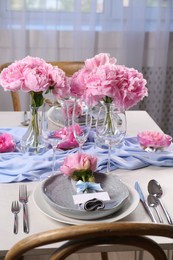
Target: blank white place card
[(83, 197)]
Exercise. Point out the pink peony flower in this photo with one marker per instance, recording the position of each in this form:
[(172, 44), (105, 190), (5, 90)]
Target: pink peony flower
[(6, 143), (102, 78), (154, 139), (67, 135), (35, 76), (62, 87), (79, 166), (77, 85), (130, 86), (11, 78), (99, 60)]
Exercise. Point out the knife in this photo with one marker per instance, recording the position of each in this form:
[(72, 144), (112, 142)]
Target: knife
[(142, 198)]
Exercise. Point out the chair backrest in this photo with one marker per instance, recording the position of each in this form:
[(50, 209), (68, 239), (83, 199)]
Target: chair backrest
[(69, 67), (75, 238)]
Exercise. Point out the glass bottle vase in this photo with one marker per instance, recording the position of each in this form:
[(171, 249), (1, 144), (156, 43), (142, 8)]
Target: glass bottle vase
[(110, 125), (110, 128), (32, 139)]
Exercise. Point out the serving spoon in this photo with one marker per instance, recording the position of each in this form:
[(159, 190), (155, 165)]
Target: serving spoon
[(153, 202), (155, 189)]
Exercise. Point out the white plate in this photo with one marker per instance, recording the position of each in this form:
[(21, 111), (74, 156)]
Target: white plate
[(45, 208), (55, 192), (55, 116)]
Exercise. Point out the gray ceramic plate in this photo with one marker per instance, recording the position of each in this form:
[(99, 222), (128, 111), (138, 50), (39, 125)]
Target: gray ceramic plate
[(58, 191)]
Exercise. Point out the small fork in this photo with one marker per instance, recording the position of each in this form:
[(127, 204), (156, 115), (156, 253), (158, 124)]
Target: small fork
[(15, 210), (24, 199)]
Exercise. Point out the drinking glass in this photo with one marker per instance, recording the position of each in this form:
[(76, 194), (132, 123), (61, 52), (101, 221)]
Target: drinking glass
[(110, 128), (82, 117), (54, 126)]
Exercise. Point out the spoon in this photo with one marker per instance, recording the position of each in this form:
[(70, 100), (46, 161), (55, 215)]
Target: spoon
[(155, 189), (153, 202)]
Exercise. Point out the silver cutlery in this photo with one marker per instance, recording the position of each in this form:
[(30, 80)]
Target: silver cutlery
[(153, 202), (142, 198), (26, 120), (155, 189), (24, 199), (15, 208)]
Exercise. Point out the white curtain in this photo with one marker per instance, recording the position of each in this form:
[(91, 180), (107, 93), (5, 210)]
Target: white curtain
[(137, 33)]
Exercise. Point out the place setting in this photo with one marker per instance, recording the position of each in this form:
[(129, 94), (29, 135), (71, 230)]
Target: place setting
[(114, 201)]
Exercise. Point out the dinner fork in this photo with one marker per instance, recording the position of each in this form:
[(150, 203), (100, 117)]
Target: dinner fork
[(15, 210), (24, 199)]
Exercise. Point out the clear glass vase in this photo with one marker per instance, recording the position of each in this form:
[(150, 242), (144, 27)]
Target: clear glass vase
[(110, 128), (32, 139)]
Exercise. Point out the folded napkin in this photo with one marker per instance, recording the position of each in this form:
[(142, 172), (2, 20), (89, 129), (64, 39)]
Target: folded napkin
[(17, 166)]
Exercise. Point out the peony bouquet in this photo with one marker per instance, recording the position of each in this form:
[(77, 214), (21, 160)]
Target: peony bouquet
[(104, 80), (35, 76)]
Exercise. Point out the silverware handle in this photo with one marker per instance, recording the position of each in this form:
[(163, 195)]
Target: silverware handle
[(149, 212), (25, 117), (15, 224), (159, 216), (166, 213), (25, 219)]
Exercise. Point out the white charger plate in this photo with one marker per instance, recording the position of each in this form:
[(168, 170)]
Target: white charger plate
[(130, 205)]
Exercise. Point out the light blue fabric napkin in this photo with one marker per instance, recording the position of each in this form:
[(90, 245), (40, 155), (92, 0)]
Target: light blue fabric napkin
[(16, 166)]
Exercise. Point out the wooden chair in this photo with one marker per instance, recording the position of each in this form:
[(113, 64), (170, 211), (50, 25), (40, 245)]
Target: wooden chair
[(79, 237), (69, 67)]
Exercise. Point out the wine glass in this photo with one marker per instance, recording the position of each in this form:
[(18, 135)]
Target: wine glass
[(110, 128), (81, 120), (54, 126)]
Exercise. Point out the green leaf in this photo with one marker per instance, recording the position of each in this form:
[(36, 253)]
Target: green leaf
[(83, 175)]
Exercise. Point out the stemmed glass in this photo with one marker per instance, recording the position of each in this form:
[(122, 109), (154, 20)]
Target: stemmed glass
[(82, 119), (54, 126), (110, 128)]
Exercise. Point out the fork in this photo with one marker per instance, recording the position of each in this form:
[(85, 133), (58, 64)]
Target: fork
[(15, 210), (24, 199)]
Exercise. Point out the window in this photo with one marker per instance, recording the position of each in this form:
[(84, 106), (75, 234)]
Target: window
[(39, 13), (53, 5), (108, 15)]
